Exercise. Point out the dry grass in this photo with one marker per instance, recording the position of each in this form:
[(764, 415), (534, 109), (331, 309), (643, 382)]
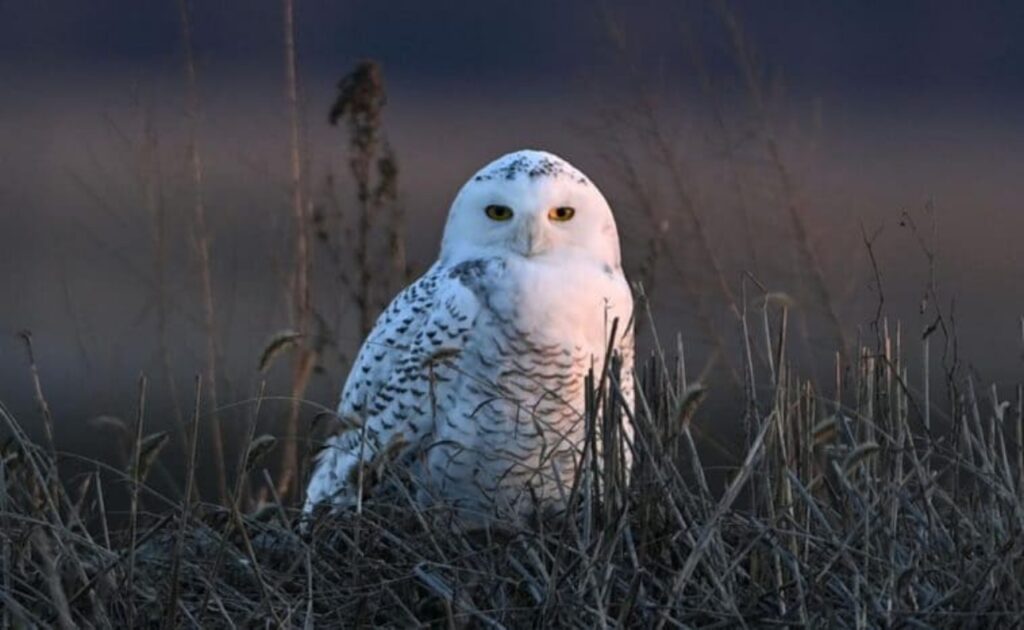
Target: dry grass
[(845, 514), (201, 242)]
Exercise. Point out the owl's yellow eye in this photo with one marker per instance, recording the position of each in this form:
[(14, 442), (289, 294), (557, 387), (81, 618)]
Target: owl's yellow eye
[(498, 213), (562, 213)]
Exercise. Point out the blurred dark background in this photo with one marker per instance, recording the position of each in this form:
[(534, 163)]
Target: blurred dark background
[(894, 123)]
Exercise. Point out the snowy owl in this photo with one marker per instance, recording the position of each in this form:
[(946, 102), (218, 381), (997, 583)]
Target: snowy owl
[(472, 380)]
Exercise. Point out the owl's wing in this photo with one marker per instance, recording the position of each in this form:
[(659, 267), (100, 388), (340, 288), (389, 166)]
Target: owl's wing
[(386, 404)]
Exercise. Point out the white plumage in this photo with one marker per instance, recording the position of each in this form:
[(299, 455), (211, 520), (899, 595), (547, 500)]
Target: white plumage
[(473, 378)]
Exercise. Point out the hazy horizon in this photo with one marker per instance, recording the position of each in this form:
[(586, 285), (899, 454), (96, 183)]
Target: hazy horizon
[(863, 142)]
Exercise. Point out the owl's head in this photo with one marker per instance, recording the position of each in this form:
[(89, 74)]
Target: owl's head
[(532, 204)]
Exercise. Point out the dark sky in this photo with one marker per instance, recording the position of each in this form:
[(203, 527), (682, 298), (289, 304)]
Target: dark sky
[(940, 46)]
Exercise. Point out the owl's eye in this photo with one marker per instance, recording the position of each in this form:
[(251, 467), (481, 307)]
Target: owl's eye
[(498, 213), (562, 213)]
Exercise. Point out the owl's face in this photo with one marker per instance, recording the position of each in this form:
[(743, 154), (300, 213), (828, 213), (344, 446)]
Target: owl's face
[(535, 205)]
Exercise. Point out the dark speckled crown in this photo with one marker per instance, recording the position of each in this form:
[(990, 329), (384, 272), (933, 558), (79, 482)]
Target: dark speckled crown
[(532, 165)]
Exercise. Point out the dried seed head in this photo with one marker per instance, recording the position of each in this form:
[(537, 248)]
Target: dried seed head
[(279, 343), (149, 449), (258, 449)]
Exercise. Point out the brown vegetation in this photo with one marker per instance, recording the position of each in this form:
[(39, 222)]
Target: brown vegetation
[(845, 512)]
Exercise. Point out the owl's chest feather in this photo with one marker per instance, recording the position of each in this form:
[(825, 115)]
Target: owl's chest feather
[(572, 305), (509, 408), (535, 339)]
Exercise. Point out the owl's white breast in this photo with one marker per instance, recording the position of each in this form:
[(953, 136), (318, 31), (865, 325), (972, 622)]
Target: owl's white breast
[(511, 411), (563, 300)]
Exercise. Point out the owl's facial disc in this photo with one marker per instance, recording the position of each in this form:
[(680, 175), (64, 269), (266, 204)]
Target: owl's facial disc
[(535, 205)]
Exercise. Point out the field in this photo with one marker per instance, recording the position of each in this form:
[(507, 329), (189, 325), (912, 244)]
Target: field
[(885, 510), (829, 427)]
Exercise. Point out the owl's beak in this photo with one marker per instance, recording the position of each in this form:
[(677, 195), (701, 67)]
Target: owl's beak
[(531, 239)]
